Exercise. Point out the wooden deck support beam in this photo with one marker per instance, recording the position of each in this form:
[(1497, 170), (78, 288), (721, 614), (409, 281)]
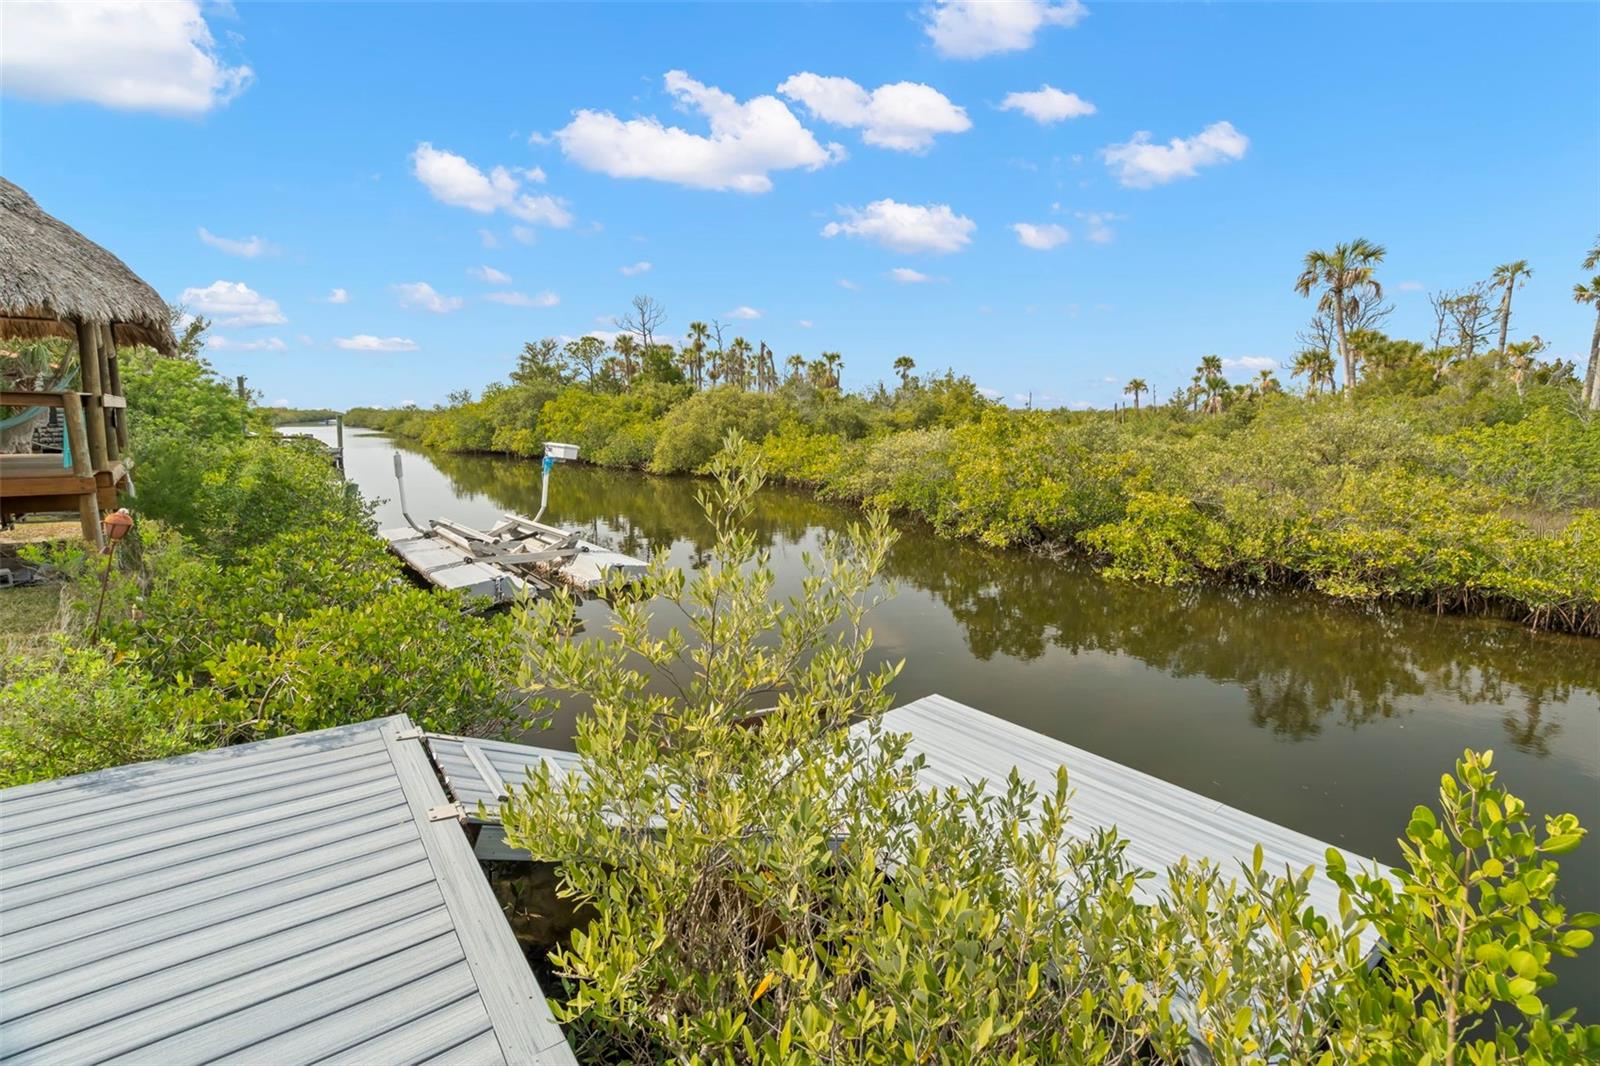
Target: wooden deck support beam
[(94, 413), (78, 440), (106, 351)]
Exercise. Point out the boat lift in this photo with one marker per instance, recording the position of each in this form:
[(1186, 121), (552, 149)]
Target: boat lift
[(518, 556)]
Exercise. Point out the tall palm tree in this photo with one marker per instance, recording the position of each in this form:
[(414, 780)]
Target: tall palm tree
[(796, 364), (736, 363), (904, 365), (1135, 387), (1208, 376), (1345, 276), (1508, 276), (699, 334), (627, 346), (1266, 382), (1590, 294)]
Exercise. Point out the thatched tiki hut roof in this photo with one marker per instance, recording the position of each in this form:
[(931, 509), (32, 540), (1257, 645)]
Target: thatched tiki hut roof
[(52, 276)]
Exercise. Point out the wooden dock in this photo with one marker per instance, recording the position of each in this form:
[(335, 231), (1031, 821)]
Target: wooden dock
[(518, 556)]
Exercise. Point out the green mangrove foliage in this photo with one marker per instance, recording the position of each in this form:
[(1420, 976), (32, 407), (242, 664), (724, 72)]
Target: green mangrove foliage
[(762, 885), (252, 600), (1438, 480)]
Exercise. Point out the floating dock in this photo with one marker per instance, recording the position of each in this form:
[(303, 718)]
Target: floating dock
[(518, 556)]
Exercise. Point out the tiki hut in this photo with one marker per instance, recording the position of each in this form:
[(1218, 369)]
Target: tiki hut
[(55, 282)]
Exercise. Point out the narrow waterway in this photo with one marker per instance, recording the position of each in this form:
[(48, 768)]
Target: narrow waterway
[(1332, 720)]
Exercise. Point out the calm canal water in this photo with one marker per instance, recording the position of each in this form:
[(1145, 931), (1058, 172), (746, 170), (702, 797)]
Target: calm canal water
[(1328, 719)]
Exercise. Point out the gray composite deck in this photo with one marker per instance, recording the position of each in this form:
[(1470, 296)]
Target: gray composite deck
[(280, 902)]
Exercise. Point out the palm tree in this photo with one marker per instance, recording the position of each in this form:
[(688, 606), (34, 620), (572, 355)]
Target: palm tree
[(834, 362), (1508, 276), (766, 369), (904, 365), (1520, 360), (736, 363), (1209, 375), (1345, 276), (628, 348), (1266, 382), (699, 334), (796, 364), (1590, 294), (1135, 387), (1317, 366)]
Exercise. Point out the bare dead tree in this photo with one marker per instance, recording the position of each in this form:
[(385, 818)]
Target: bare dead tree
[(1319, 334), (1471, 312), (643, 319)]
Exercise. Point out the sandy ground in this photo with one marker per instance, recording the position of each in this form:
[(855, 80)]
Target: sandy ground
[(26, 532)]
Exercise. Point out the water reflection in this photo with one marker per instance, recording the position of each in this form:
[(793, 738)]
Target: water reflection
[(1303, 664)]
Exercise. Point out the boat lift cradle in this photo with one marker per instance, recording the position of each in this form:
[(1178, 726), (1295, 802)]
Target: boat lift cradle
[(517, 555)]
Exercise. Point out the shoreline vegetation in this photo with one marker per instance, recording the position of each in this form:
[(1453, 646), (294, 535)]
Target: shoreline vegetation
[(1454, 475)]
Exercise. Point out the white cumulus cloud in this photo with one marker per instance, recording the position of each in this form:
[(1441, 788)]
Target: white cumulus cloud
[(424, 297), (140, 56), (905, 227), (907, 276), (747, 141), (1047, 104), (453, 180), (366, 342), (243, 247), (744, 312), (905, 116), (490, 275), (232, 303), (1250, 362), (1098, 225), (805, 323), (522, 299), (1041, 236), (1140, 164), (338, 296), (846, 283), (971, 29), (633, 269), (266, 344)]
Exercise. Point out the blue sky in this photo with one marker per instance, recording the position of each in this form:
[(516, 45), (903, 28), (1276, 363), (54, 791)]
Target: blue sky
[(854, 174)]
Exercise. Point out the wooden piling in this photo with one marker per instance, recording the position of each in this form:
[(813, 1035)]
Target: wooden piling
[(82, 467), (104, 346), (94, 414), (114, 387)]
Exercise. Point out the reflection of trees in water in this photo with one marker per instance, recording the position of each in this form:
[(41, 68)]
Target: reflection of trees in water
[(1298, 659)]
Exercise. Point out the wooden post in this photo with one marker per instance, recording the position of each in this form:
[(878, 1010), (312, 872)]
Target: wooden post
[(114, 387), (78, 441), (105, 349), (89, 359)]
